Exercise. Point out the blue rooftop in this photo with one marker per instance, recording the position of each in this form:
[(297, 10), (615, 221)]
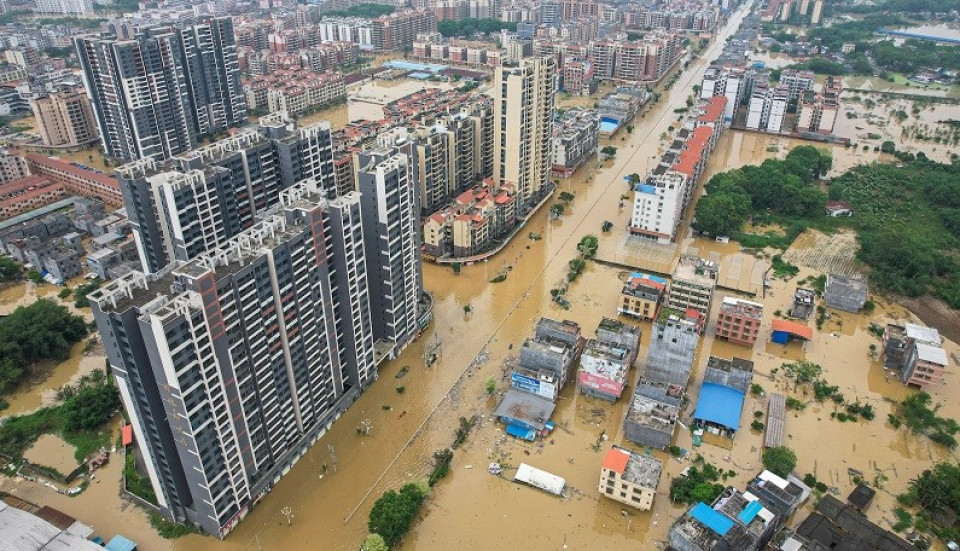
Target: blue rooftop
[(719, 404), (750, 511), (641, 275), (645, 188), (714, 520), (120, 543)]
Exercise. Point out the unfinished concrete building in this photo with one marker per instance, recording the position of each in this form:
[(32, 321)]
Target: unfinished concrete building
[(547, 360), (735, 522), (652, 418), (845, 293), (694, 281), (673, 344), (803, 303), (606, 361), (566, 331), (917, 352)]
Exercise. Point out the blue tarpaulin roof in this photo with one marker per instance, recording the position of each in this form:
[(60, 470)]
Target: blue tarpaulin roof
[(522, 432), (720, 405), (750, 511), (714, 520), (120, 543), (645, 188)]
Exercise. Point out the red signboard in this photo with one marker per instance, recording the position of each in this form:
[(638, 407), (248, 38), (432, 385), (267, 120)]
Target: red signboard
[(596, 382)]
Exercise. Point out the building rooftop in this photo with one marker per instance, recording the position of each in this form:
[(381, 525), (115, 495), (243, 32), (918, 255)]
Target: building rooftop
[(656, 405), (921, 333), (529, 408), (740, 307), (932, 354), (839, 526), (696, 271), (634, 467)]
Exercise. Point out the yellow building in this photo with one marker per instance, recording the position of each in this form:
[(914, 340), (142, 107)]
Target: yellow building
[(641, 296), (630, 478)]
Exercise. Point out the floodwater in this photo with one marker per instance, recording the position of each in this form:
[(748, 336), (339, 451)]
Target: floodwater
[(473, 510), (49, 375), (367, 100), (52, 451), (860, 119)]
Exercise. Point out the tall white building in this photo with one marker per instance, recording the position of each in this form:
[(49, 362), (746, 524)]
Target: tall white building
[(392, 236), (524, 97), (230, 366), (724, 81), (67, 7)]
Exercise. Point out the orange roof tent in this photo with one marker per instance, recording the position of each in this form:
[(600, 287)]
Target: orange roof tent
[(616, 460), (126, 435)]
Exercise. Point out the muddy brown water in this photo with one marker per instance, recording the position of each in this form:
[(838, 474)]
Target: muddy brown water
[(471, 509)]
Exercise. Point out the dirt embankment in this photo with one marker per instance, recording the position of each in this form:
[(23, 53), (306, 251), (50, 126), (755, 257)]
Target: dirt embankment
[(935, 313)]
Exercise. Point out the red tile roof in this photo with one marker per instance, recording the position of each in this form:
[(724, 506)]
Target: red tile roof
[(713, 110), (616, 460)]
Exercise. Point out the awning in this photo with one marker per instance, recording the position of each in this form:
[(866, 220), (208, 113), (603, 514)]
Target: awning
[(794, 328), (126, 434), (720, 405)]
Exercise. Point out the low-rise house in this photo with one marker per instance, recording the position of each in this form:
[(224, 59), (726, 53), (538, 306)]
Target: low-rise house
[(845, 293), (736, 521), (606, 361), (673, 344), (739, 320), (724, 390), (653, 414), (839, 208), (694, 281), (641, 296), (835, 525), (630, 478), (803, 303), (917, 352), (576, 134)]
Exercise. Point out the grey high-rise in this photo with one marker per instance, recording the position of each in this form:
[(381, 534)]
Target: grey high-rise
[(160, 93), (198, 200), (232, 365), (392, 240)]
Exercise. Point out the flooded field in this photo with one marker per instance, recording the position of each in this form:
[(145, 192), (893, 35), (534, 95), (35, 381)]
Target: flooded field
[(52, 451), (367, 101), (869, 119)]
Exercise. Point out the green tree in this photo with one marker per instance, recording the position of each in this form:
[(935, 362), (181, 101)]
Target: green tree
[(42, 330), (780, 460), (609, 151), (566, 196), (35, 276), (491, 386), (721, 214), (394, 512), (888, 147), (10, 270), (557, 209), (90, 407), (374, 542)]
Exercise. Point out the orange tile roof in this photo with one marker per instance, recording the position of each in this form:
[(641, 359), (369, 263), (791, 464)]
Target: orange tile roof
[(794, 328), (616, 460), (713, 111)]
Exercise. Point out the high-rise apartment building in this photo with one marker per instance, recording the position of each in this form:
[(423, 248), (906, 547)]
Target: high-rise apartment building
[(392, 241), (397, 31), (232, 365), (524, 97), (198, 200), (65, 118), (160, 93), (63, 7)]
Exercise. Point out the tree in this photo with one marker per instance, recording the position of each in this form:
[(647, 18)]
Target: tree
[(721, 214), (42, 330), (606, 226), (780, 460), (588, 246), (566, 196), (629, 129), (609, 151), (491, 386), (90, 407), (374, 542), (888, 147), (394, 512), (35, 276), (556, 209), (10, 270)]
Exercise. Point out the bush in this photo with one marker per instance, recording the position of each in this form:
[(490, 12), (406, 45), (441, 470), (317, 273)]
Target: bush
[(780, 460), (394, 512), (757, 426), (700, 484), (167, 529), (374, 542), (756, 389), (136, 484)]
